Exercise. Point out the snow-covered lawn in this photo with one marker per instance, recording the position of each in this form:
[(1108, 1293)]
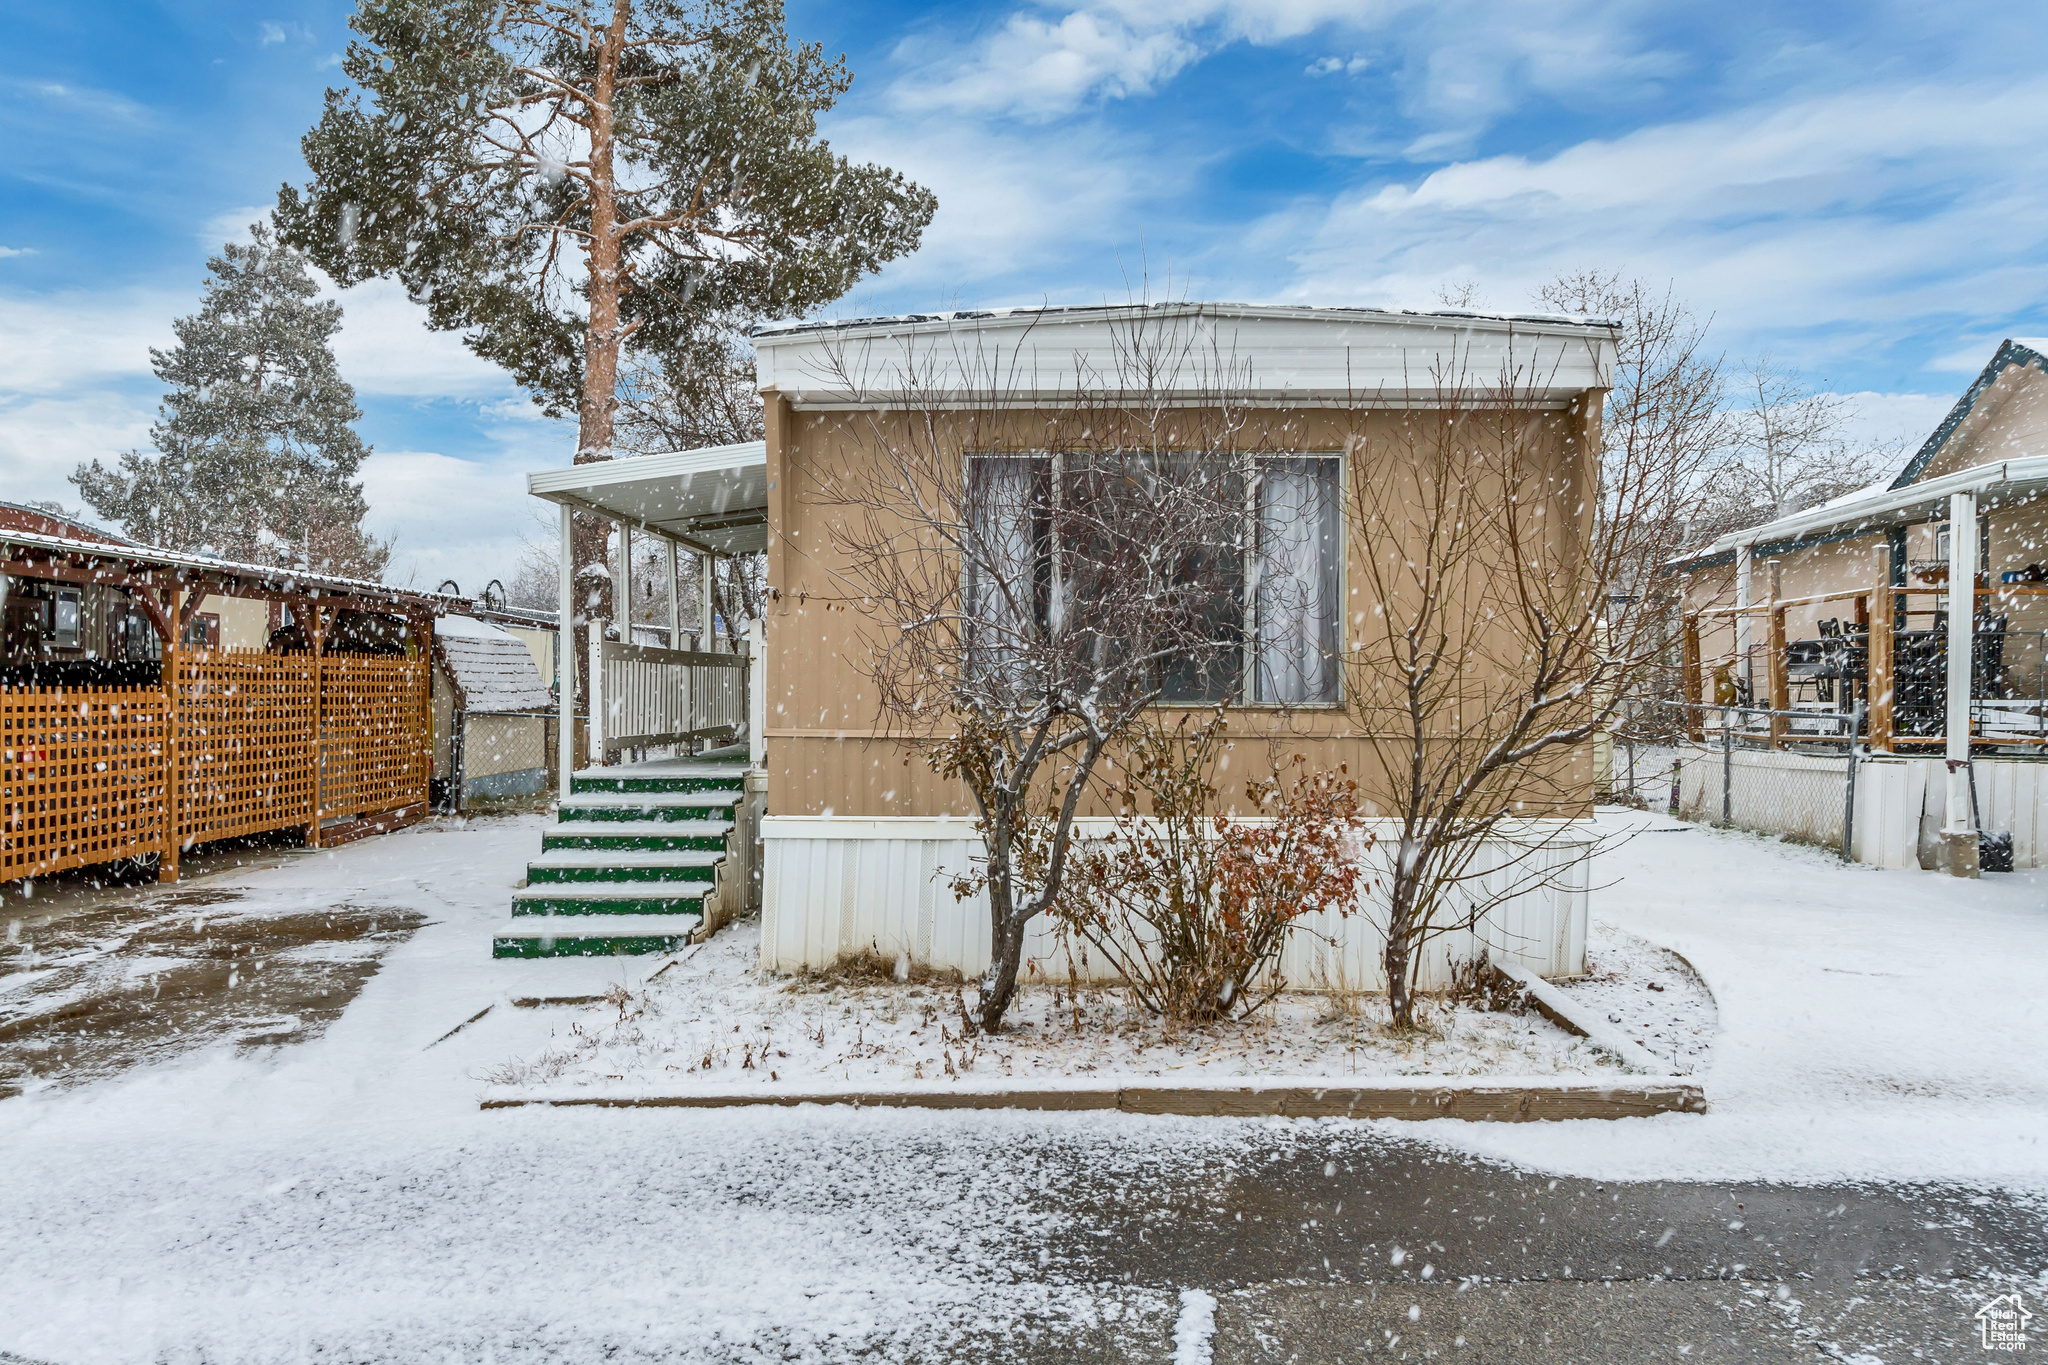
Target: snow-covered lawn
[(712, 1022), (1873, 1024), (242, 1203)]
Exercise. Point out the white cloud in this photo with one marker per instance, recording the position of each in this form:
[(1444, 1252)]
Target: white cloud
[(7, 251), (1824, 224), (1040, 69), (61, 342), (270, 33), (1336, 66), (104, 105), (1903, 420), (43, 437), (453, 518), (385, 347), (1014, 203)]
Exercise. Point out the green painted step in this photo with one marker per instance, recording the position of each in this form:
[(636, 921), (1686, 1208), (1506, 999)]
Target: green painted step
[(650, 836), (615, 935), (611, 865), (698, 782), (644, 898), (646, 806)]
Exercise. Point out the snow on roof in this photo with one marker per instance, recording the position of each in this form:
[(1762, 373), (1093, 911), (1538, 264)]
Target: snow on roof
[(493, 667), (292, 580), (1054, 312), (469, 627)]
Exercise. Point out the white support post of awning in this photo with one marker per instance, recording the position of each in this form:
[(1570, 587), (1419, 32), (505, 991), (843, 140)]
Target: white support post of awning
[(1744, 636), (1959, 830), (565, 657), (707, 572), (675, 596), (624, 594)]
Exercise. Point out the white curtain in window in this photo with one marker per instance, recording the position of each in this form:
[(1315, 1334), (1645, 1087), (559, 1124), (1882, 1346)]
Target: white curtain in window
[(1002, 555), (1296, 602)]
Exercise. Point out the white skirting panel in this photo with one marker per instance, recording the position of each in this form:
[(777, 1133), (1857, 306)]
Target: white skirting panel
[(833, 887)]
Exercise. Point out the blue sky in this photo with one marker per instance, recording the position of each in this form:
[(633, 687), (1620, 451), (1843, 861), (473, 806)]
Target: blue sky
[(1859, 189)]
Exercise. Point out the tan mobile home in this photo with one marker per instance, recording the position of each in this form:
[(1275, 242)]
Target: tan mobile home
[(858, 831), (1914, 613)]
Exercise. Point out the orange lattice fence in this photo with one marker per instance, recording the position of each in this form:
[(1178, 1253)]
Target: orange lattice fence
[(81, 777), (245, 723), (376, 735)]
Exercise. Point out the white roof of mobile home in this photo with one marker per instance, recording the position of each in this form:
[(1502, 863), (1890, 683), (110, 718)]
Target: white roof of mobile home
[(1194, 351)]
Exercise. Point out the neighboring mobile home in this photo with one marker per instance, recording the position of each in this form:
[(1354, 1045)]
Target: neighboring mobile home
[(1924, 602), (859, 832)]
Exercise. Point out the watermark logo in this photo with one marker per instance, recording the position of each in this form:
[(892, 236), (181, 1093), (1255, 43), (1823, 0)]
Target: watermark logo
[(2002, 1323)]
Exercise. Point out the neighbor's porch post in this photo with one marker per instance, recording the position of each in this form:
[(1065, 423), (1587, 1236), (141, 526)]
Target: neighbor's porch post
[(1959, 830), (1775, 663), (565, 660), (1745, 637), (1878, 657)]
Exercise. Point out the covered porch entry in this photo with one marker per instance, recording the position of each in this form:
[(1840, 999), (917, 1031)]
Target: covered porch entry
[(1871, 674), (660, 802)]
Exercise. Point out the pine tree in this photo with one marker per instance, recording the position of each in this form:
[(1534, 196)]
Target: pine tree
[(569, 181), (256, 455)]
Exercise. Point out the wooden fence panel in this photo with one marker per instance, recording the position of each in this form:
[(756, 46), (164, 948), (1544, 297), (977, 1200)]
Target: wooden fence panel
[(376, 734), (245, 741), (81, 777)]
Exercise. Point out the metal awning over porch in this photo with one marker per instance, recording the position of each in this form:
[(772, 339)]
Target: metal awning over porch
[(714, 499), (2007, 483), (712, 502)]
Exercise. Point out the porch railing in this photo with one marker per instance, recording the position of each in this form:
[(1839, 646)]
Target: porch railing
[(660, 697)]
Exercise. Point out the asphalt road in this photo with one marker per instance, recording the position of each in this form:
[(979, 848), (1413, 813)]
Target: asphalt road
[(1379, 1248)]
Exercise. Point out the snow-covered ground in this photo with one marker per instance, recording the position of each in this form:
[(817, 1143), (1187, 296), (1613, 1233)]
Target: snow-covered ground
[(248, 1204), (713, 1023), (1874, 1024)]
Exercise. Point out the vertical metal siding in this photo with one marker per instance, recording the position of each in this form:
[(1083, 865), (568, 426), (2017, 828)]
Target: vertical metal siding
[(826, 898)]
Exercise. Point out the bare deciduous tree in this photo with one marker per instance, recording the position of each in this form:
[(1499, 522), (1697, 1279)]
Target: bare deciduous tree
[(1789, 448), (1499, 547), (699, 391), (1032, 582)]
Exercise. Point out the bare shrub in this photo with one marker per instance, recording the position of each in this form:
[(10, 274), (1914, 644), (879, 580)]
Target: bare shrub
[(1477, 984), (1193, 907)]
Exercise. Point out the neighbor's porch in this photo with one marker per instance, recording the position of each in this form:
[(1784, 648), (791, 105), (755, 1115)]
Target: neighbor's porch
[(1908, 624)]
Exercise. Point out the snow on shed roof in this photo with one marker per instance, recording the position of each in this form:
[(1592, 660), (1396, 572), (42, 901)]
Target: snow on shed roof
[(493, 667)]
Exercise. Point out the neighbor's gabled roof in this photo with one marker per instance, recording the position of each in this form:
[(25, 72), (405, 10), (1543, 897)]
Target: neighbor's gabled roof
[(1279, 355), (1912, 496), (2014, 351)]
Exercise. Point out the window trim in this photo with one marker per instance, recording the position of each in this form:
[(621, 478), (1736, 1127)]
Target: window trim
[(1247, 684)]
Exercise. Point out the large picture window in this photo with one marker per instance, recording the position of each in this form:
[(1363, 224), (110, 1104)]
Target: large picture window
[(1266, 597)]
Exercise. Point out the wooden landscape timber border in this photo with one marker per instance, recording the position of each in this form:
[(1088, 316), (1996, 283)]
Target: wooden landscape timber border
[(1505, 1102)]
